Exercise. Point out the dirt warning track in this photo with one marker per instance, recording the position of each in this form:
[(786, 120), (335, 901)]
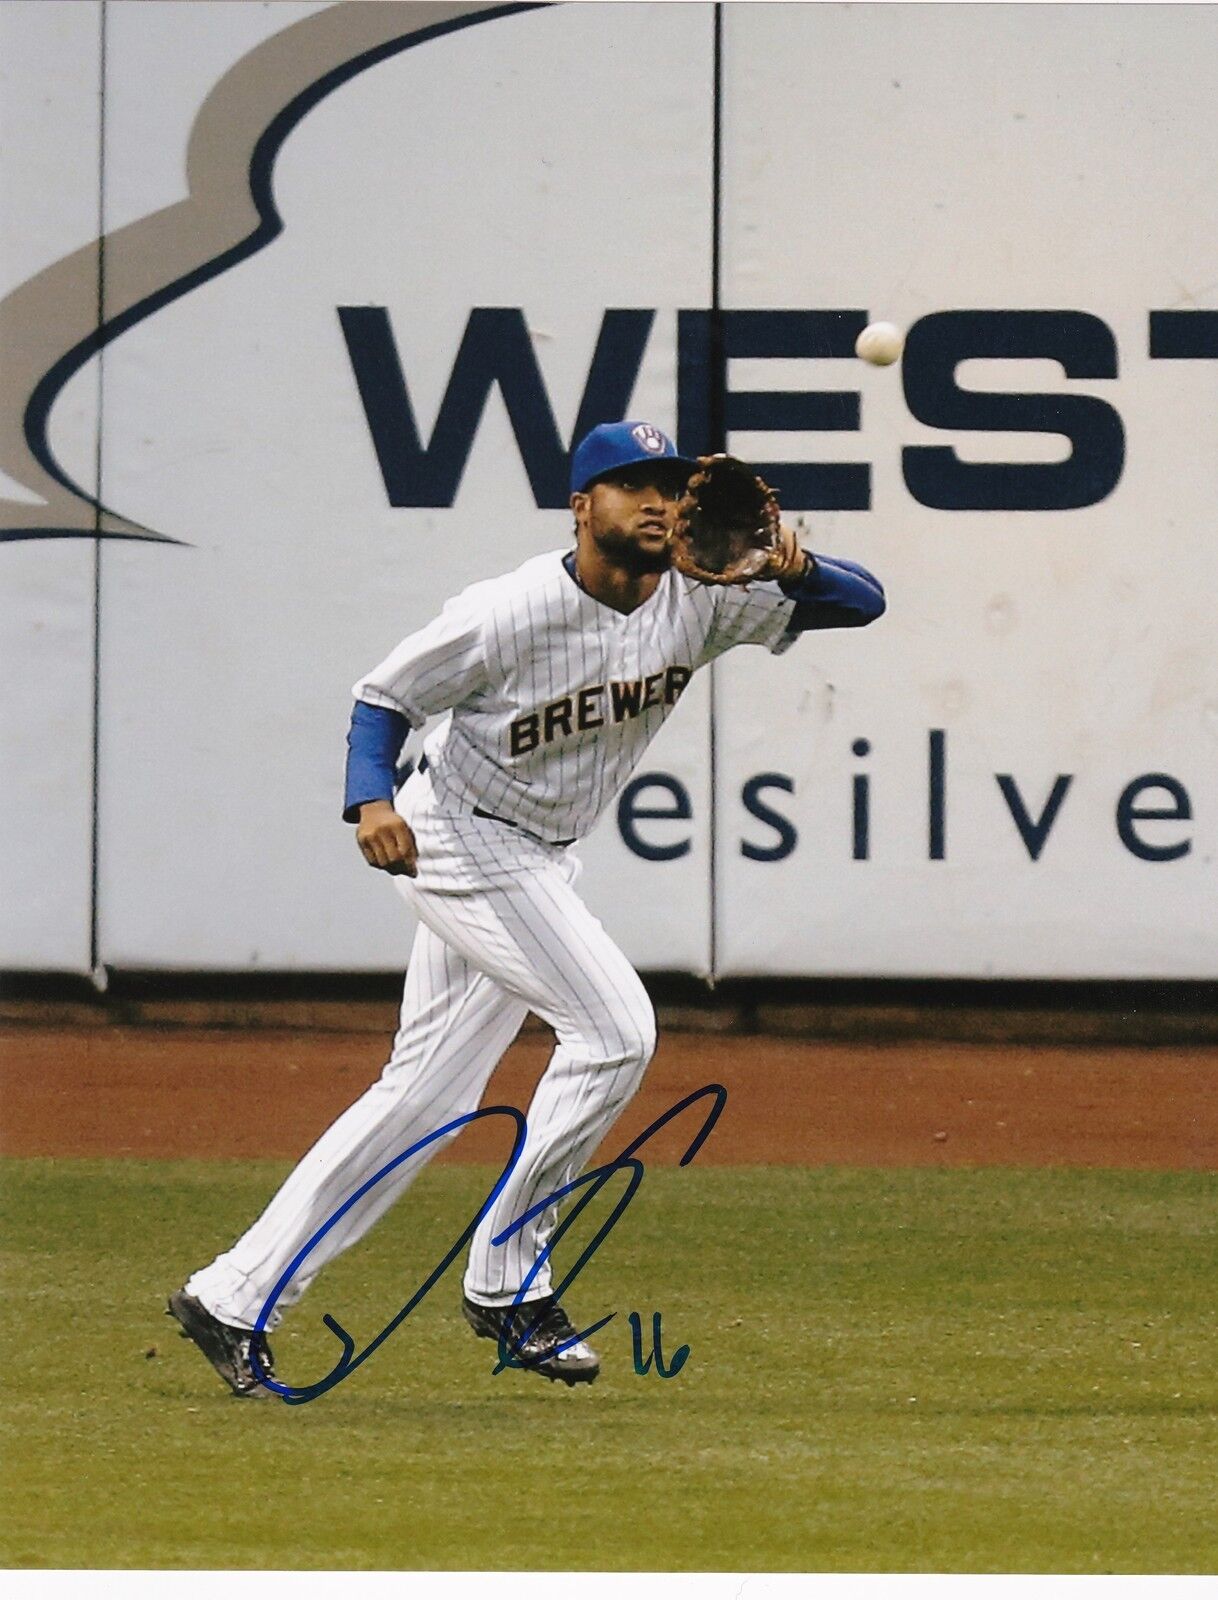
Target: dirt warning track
[(207, 1092)]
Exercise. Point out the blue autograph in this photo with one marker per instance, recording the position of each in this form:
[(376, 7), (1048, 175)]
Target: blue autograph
[(591, 1182)]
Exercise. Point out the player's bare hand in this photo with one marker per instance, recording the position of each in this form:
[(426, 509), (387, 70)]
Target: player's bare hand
[(386, 841), (787, 562)]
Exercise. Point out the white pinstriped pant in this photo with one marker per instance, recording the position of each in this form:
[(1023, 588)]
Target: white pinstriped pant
[(501, 932)]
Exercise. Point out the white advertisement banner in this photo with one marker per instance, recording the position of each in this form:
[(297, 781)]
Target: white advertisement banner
[(1013, 773), (353, 423), (369, 273), (50, 70)]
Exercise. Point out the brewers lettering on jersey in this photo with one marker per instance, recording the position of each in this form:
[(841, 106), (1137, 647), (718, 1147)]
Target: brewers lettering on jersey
[(550, 682)]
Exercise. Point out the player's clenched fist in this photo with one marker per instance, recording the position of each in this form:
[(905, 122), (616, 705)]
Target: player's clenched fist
[(385, 840)]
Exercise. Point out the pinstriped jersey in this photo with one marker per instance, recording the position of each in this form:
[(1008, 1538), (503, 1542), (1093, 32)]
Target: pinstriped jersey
[(553, 695)]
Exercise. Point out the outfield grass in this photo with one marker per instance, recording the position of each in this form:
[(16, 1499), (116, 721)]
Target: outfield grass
[(893, 1371)]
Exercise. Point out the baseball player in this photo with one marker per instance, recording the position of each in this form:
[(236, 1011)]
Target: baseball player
[(554, 679)]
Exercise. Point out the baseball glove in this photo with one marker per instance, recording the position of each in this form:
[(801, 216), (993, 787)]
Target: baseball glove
[(727, 523)]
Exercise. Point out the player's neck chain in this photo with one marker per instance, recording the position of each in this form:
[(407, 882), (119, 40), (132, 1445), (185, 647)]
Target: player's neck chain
[(570, 560), (572, 567)]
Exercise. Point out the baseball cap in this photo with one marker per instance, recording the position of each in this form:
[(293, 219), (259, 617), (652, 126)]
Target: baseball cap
[(619, 444)]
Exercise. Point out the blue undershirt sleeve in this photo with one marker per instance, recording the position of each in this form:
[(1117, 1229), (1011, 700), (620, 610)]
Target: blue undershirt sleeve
[(374, 742), (835, 593)]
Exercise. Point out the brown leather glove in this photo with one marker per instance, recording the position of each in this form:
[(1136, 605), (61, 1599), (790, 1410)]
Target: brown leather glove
[(728, 524)]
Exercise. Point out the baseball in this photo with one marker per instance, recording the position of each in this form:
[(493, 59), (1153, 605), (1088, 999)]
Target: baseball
[(880, 343)]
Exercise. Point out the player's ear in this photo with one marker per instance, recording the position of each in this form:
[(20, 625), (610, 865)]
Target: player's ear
[(579, 507)]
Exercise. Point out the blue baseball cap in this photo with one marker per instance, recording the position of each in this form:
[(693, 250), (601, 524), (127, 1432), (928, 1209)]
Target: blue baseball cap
[(619, 444)]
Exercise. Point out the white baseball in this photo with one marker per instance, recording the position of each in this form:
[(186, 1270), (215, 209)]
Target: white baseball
[(880, 343)]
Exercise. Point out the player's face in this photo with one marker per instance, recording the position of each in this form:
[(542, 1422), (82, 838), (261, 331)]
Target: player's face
[(629, 514)]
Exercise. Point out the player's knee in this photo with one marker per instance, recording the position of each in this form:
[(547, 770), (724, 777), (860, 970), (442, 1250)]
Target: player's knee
[(615, 1038), (649, 1036), (638, 1035)]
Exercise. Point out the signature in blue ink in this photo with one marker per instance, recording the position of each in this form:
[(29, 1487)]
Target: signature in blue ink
[(591, 1182), (680, 1357)]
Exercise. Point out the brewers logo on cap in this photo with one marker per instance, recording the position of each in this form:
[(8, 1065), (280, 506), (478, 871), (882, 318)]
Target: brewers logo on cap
[(612, 446), (649, 438)]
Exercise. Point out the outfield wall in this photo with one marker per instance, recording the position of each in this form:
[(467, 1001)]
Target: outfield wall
[(368, 268)]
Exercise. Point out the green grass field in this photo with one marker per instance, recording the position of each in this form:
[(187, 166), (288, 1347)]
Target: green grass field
[(890, 1371)]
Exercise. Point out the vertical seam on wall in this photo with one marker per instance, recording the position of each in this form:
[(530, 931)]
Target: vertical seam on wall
[(94, 861), (715, 414)]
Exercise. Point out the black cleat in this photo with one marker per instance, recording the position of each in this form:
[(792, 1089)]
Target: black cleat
[(227, 1348), (531, 1335)]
